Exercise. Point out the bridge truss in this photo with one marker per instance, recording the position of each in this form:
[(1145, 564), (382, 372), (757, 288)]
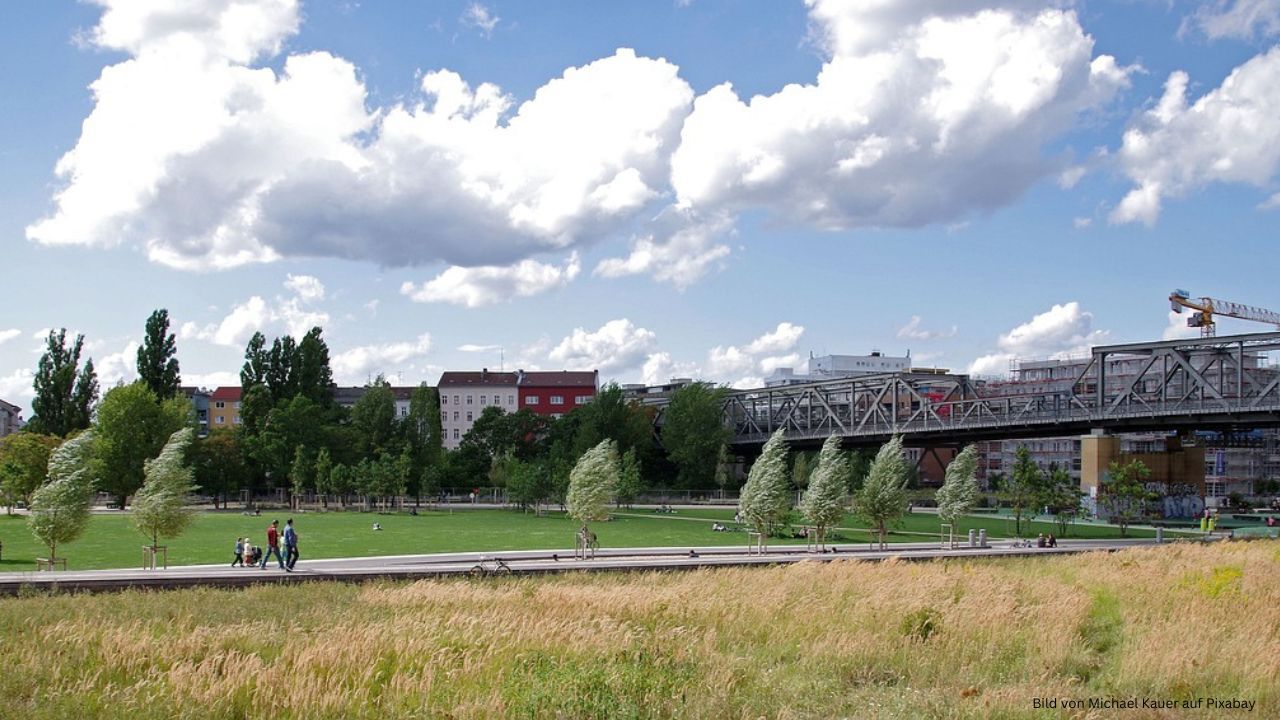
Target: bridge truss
[(1214, 382)]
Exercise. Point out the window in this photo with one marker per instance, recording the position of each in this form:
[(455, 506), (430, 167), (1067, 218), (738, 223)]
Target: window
[(582, 400), (484, 399), (455, 416), (455, 433), (455, 399), (557, 416), (511, 399), (468, 416), (219, 405), (220, 420), (469, 399), (444, 399), (444, 415), (237, 404), (235, 419), (531, 400), (557, 399)]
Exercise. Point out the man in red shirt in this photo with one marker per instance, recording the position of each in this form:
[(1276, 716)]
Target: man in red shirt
[(273, 545)]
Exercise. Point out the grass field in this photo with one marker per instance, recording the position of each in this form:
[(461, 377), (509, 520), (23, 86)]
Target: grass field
[(111, 541), (947, 639)]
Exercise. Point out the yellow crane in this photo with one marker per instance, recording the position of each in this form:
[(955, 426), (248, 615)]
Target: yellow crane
[(1206, 307)]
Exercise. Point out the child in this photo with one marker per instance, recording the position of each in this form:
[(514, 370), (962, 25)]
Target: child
[(239, 557)]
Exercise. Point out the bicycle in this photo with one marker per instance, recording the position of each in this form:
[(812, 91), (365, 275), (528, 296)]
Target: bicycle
[(486, 567)]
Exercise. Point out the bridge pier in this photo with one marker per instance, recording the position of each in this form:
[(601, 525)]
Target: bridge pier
[(1176, 466)]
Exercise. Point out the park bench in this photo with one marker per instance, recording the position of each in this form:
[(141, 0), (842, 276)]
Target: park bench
[(50, 564), (149, 556)]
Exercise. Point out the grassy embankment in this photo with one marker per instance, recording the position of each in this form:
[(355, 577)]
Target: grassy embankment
[(111, 540), (953, 639)]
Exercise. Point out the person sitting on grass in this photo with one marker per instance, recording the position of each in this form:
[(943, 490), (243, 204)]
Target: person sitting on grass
[(1040, 540), (377, 526)]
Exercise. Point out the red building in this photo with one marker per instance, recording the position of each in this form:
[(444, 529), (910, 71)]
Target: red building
[(556, 393)]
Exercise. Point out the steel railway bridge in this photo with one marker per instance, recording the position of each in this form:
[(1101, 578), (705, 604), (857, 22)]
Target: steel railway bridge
[(1202, 383)]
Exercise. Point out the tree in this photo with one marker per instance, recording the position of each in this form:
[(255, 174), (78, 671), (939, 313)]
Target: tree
[(629, 479), (529, 484), (159, 509), (65, 392), (60, 507), (342, 482), (24, 464), (827, 494), (959, 491), (1062, 496), (1124, 494), (883, 495), (800, 470), (314, 379), (157, 366), (256, 362), (374, 418), (610, 416), (592, 483), (299, 474), (766, 498), (1024, 487), (693, 431), (724, 468), (219, 464), (131, 428), (322, 469), (859, 466), (282, 376)]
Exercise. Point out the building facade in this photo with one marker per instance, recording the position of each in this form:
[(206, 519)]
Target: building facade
[(224, 408), (199, 398), (834, 367), (464, 395), (10, 418), (557, 392)]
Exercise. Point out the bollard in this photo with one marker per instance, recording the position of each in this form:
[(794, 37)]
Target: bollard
[(982, 538), (1159, 535), (973, 538)]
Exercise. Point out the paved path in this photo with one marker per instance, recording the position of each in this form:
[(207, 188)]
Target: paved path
[(520, 561)]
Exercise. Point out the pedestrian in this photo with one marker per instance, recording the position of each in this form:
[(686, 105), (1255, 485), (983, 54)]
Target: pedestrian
[(239, 557), (290, 545), (273, 545)]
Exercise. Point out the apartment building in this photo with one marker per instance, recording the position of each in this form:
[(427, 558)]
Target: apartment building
[(464, 395), (555, 393), (834, 367), (10, 418), (224, 407)]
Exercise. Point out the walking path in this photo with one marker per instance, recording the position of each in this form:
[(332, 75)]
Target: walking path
[(524, 562)]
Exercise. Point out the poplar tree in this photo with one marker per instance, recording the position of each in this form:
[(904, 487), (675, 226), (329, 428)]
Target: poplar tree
[(766, 498), (883, 495), (159, 508), (826, 497), (629, 478), (65, 392), (157, 366), (322, 469), (60, 507), (959, 491), (592, 483)]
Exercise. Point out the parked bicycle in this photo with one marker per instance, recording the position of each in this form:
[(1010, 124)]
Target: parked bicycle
[(487, 566)]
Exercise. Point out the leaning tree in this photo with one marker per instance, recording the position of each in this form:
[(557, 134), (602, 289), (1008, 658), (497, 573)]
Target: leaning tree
[(883, 495), (592, 484), (827, 495), (160, 505), (766, 497), (60, 507)]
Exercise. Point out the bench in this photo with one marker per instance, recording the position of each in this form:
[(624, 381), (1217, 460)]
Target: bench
[(755, 543), (50, 564), (149, 556)]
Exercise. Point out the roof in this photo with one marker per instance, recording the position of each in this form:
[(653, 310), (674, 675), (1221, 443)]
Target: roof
[(9, 406), (227, 392), (562, 378), (484, 377)]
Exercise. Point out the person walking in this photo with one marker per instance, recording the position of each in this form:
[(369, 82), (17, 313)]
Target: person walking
[(239, 557), (290, 545), (273, 545)]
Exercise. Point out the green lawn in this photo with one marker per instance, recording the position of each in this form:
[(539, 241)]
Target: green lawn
[(111, 541)]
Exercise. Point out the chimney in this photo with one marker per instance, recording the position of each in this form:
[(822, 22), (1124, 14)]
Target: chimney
[(520, 377), (484, 372)]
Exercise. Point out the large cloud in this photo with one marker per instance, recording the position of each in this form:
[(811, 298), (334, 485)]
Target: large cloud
[(359, 364), (616, 346), (924, 112), (1061, 331), (1231, 134), (480, 286)]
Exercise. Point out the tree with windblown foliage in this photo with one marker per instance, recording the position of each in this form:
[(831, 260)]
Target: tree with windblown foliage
[(826, 496), (159, 508), (766, 497), (883, 495), (592, 483), (959, 492), (60, 507)]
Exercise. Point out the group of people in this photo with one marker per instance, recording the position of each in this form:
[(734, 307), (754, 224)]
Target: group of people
[(249, 555), (1047, 541)]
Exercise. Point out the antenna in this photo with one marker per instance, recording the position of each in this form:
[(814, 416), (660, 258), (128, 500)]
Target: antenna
[(502, 359)]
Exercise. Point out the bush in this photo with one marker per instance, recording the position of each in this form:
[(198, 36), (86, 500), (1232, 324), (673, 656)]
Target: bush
[(921, 624)]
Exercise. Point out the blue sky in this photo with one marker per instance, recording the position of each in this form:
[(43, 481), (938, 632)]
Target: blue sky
[(648, 188)]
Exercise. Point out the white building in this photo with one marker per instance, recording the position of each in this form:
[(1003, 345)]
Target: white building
[(834, 367), (464, 395), (10, 418)]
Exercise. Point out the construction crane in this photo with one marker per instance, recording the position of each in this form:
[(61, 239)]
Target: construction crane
[(1206, 307)]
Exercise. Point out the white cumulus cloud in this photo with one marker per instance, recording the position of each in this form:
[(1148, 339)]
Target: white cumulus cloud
[(7, 335), (1245, 19), (479, 286), (613, 347), (356, 365), (1061, 331), (1229, 135), (308, 288)]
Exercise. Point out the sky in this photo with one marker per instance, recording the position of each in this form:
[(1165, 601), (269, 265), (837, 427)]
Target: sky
[(652, 189)]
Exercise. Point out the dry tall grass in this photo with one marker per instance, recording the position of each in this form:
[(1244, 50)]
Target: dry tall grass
[(945, 639)]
